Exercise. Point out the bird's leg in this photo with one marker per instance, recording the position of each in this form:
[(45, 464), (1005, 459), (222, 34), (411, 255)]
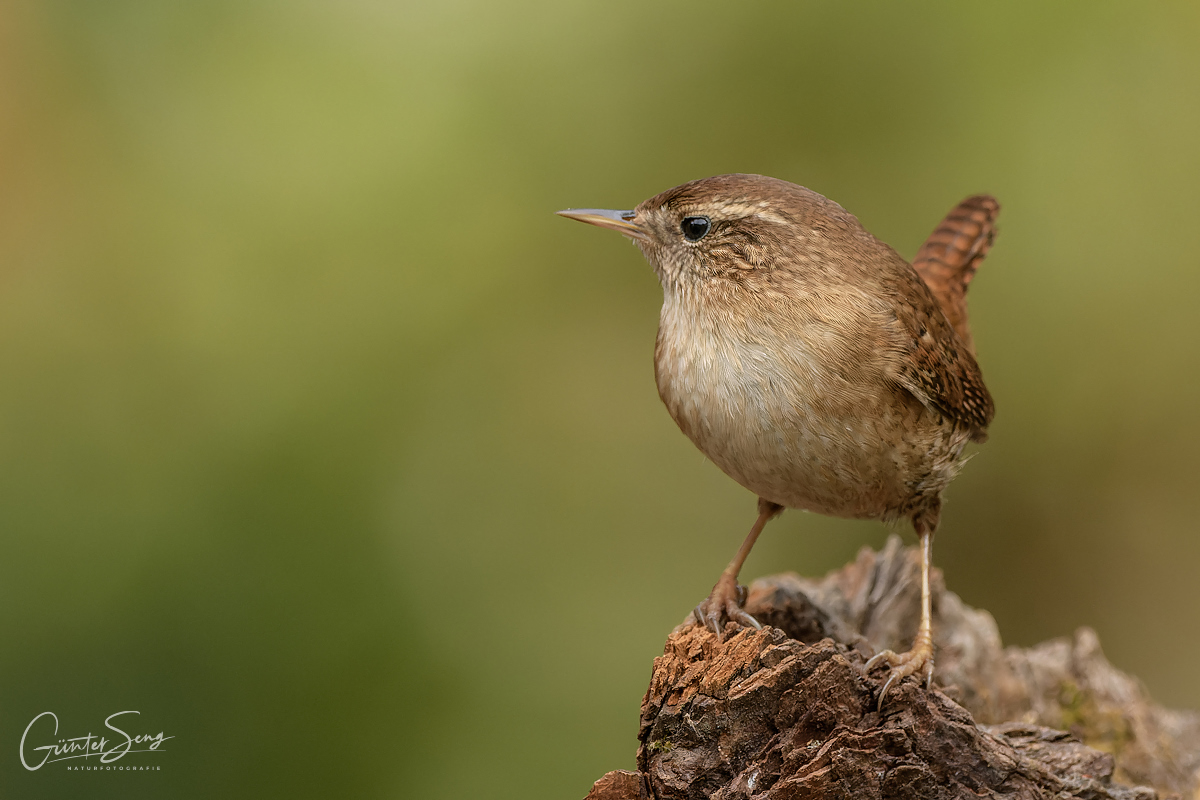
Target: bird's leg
[(920, 655), (725, 601)]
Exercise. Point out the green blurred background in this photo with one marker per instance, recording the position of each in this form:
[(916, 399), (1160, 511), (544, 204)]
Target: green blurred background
[(327, 447)]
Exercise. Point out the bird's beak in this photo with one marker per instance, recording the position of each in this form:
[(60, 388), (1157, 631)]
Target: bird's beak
[(621, 221)]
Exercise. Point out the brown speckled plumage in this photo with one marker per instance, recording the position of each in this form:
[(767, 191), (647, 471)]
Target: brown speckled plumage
[(807, 359), (948, 259)]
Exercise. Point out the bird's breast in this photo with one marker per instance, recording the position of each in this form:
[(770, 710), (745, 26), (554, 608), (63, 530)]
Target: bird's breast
[(797, 413)]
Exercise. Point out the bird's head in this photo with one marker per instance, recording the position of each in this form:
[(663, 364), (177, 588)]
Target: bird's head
[(739, 228)]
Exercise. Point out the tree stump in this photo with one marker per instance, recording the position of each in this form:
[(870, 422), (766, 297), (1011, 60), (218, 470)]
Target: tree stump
[(788, 712)]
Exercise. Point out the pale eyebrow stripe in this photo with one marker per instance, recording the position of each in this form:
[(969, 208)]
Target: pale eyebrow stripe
[(770, 216), (760, 210)]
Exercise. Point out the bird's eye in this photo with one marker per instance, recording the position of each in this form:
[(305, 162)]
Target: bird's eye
[(694, 228)]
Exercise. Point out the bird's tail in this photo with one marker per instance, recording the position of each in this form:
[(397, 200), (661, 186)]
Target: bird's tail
[(948, 259)]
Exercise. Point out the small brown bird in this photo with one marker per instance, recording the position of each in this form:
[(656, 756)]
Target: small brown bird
[(811, 362)]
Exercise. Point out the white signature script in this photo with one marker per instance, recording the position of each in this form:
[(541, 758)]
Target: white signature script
[(90, 745)]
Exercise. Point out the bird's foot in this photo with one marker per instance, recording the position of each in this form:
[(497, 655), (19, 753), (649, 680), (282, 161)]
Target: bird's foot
[(724, 603), (918, 659)]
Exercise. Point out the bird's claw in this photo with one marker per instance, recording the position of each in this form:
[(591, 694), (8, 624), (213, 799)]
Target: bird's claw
[(725, 603), (918, 659)]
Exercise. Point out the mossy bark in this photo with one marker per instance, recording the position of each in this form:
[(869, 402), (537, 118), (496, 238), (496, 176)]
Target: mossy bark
[(788, 711)]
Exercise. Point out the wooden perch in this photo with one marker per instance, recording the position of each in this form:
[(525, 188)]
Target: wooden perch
[(787, 712)]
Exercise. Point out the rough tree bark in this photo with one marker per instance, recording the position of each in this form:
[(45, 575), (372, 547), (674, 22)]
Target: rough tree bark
[(787, 712)]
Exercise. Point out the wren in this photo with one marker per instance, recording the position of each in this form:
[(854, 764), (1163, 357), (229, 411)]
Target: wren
[(811, 362)]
